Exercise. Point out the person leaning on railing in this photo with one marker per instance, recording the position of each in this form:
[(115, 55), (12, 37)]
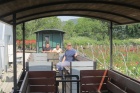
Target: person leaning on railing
[(68, 57), (47, 48), (57, 49)]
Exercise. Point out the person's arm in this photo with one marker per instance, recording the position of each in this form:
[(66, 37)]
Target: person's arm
[(75, 55), (54, 50), (50, 50), (61, 50), (45, 51), (64, 58)]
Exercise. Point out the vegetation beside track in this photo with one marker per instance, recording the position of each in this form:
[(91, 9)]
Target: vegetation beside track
[(125, 54)]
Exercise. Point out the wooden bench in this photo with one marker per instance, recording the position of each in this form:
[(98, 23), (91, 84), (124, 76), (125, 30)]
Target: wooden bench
[(42, 81), (104, 81), (90, 81), (39, 66), (39, 57), (75, 68), (39, 82), (53, 57)]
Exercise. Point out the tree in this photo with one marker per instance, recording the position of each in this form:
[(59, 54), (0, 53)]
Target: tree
[(49, 23), (92, 28), (69, 29), (36, 25), (126, 31), (133, 30), (19, 32)]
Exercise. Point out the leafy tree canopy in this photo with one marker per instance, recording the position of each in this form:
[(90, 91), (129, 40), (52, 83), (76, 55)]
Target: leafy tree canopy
[(82, 27)]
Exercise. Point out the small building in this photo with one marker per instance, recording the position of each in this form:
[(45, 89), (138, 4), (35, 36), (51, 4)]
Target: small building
[(6, 46), (51, 36)]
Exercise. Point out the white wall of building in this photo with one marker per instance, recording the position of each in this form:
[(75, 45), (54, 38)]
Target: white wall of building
[(6, 43)]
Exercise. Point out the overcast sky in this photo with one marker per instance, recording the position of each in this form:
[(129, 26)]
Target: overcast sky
[(65, 18)]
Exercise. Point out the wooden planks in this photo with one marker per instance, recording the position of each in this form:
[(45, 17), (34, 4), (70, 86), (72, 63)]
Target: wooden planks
[(42, 81), (126, 76), (46, 89), (92, 72), (124, 83), (91, 88), (37, 9), (113, 88), (41, 74), (90, 81), (52, 55)]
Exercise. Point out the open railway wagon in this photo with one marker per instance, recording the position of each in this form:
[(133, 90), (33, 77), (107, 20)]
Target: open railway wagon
[(80, 77), (45, 77), (117, 12)]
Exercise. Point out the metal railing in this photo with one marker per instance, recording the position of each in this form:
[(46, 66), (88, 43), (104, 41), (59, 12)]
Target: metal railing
[(64, 81)]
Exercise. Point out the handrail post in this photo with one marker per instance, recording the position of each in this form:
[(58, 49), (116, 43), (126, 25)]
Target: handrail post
[(111, 44), (14, 53), (23, 40)]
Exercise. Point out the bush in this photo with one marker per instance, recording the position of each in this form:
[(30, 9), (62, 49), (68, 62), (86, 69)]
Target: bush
[(85, 41), (127, 42)]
